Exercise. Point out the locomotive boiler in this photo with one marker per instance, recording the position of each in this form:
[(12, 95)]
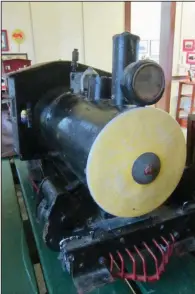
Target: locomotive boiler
[(112, 188)]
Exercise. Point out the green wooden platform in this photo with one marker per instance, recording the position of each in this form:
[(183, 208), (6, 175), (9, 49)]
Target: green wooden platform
[(18, 275), (179, 277), (57, 281)]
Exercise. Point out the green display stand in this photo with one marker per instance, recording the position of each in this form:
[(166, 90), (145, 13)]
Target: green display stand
[(17, 270), (57, 281), (18, 275)]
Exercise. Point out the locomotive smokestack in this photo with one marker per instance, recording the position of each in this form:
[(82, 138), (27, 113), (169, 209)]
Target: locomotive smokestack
[(125, 51)]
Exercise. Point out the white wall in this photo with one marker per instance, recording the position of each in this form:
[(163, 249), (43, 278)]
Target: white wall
[(188, 20), (177, 37), (145, 19), (145, 22), (57, 29), (102, 20), (54, 29), (16, 15), (184, 29)]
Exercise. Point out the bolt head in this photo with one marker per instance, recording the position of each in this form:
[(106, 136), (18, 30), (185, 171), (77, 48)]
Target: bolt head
[(101, 260), (81, 265), (71, 257)]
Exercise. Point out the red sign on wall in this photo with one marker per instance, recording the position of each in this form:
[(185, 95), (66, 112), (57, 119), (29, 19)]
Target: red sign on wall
[(188, 45), (190, 57), (18, 36)]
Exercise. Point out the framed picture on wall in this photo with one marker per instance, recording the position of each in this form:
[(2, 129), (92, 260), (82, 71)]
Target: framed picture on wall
[(188, 45), (154, 47), (8, 56), (4, 41), (143, 47), (190, 58)]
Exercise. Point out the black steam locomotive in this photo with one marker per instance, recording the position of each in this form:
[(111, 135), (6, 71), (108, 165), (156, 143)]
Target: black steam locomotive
[(63, 113)]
